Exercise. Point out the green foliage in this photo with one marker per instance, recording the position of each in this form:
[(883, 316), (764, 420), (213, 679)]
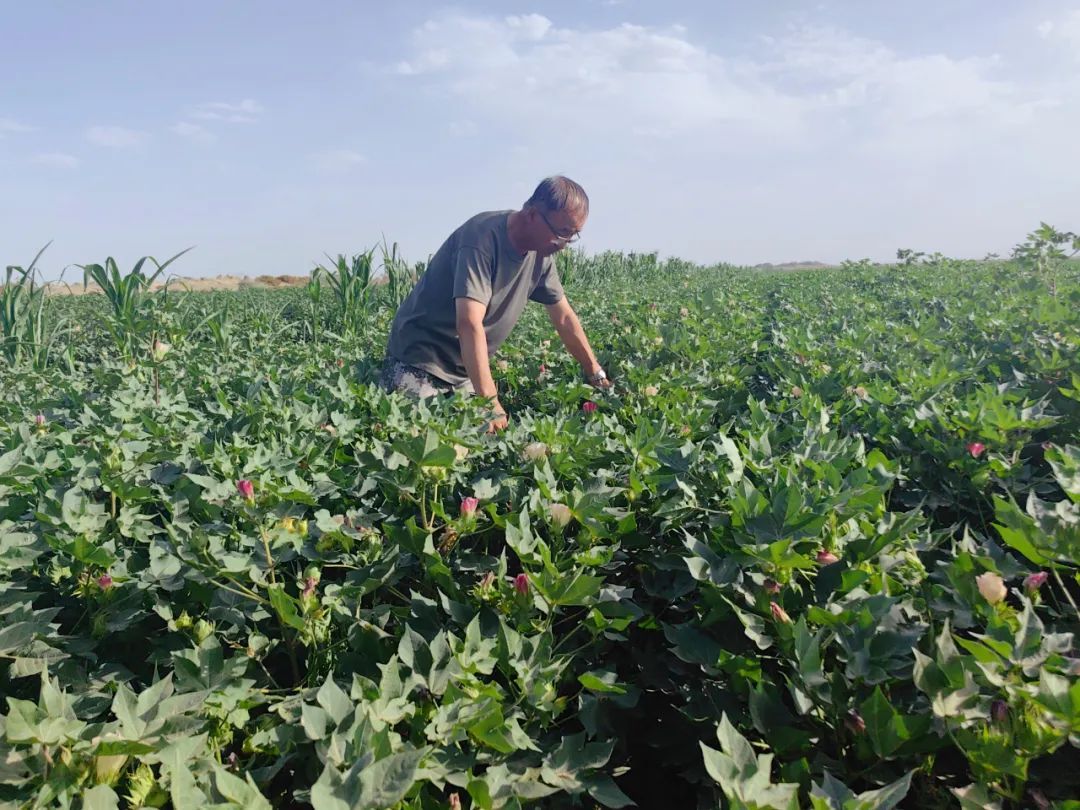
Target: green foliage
[(817, 548)]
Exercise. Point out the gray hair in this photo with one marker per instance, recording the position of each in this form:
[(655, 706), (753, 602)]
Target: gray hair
[(559, 193)]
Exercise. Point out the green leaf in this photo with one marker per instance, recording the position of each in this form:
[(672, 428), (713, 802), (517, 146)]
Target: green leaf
[(603, 788), (833, 794), (602, 681), (879, 714), (332, 698), (101, 797), (285, 606), (385, 782)]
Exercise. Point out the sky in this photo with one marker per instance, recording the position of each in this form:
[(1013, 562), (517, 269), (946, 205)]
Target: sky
[(270, 134)]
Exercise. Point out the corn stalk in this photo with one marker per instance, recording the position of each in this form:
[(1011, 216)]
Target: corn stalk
[(352, 285), (126, 296), (25, 334)]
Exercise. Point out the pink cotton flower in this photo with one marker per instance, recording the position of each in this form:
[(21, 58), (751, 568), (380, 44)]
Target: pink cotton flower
[(771, 586), (1033, 582), (39, 420), (589, 407), (521, 584), (976, 449), (309, 587), (855, 723), (105, 582), (468, 506), (246, 489), (826, 557)]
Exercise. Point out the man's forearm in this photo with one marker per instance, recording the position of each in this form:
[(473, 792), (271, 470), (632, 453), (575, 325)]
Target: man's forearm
[(573, 337), (474, 354)]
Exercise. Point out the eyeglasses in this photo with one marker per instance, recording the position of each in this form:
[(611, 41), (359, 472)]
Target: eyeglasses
[(565, 239)]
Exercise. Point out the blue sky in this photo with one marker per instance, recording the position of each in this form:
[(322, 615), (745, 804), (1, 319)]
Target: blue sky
[(268, 134)]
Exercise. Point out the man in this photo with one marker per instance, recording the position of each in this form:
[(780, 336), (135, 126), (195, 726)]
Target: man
[(474, 290)]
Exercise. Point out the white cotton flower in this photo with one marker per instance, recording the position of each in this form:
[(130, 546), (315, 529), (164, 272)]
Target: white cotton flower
[(535, 451), (992, 587), (560, 514)]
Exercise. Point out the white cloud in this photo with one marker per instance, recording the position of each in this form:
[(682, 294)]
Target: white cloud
[(55, 160), (245, 112), (633, 80), (11, 126), (115, 137), (193, 132), (1065, 31), (336, 160), (645, 79)]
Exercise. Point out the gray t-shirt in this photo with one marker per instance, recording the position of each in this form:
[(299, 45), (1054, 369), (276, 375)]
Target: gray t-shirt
[(477, 261)]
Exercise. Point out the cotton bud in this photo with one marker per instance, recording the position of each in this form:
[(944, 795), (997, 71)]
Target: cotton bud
[(826, 557), (999, 712), (159, 350), (854, 722), (521, 584), (779, 614)]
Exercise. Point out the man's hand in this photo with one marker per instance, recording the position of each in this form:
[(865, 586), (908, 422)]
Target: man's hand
[(474, 354), (501, 419), (597, 378), (569, 330)]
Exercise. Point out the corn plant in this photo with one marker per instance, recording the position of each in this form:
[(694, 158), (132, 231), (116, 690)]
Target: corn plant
[(26, 336), (127, 297), (352, 285), (400, 278)]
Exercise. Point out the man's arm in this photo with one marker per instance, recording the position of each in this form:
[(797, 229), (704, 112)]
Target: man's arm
[(568, 327), (474, 354)]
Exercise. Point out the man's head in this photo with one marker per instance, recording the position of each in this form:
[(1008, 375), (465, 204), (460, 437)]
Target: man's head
[(554, 215)]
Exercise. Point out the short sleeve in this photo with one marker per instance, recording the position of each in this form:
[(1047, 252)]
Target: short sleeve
[(548, 288), (473, 270)]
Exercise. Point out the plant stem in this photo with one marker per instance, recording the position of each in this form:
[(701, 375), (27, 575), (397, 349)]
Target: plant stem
[(1061, 584), (269, 559)]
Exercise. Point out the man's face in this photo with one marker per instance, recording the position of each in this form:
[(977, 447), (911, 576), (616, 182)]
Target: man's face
[(554, 230)]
